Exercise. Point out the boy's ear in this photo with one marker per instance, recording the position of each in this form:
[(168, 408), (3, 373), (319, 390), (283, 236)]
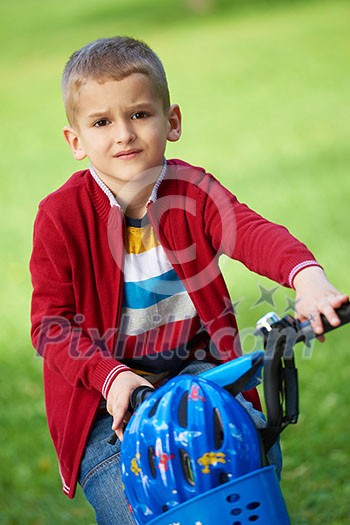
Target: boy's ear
[(74, 143), (174, 123)]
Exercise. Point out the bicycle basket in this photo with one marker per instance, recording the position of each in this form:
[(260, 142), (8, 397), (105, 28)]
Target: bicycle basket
[(255, 498)]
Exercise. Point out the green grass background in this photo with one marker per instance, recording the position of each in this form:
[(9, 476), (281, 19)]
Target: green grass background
[(264, 88)]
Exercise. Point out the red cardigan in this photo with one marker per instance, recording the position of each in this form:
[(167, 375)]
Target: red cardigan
[(76, 268)]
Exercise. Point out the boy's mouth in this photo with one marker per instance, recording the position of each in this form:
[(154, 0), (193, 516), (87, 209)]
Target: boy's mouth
[(127, 154)]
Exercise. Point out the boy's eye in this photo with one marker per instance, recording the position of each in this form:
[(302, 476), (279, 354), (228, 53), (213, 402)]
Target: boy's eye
[(139, 115), (102, 122)]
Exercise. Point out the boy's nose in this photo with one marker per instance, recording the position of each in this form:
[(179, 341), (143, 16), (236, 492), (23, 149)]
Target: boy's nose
[(124, 134)]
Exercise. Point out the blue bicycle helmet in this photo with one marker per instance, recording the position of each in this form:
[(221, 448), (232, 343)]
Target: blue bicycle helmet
[(187, 438)]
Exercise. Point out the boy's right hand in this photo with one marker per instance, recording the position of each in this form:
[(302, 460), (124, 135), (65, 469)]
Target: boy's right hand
[(119, 396)]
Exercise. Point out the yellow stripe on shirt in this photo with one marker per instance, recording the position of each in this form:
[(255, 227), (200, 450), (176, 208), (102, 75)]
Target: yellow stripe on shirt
[(140, 240)]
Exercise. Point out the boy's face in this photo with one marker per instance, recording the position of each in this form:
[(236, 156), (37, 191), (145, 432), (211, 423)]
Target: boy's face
[(122, 127)]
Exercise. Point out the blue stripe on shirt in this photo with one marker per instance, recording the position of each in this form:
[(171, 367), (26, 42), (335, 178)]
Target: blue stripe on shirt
[(146, 293)]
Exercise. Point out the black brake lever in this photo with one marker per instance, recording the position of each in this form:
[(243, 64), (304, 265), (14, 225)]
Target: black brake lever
[(280, 373)]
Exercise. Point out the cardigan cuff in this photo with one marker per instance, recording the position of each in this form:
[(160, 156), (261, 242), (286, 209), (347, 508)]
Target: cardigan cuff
[(105, 373), (299, 267)]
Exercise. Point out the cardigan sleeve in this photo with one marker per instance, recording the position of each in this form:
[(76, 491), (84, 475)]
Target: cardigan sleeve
[(262, 246), (58, 332)]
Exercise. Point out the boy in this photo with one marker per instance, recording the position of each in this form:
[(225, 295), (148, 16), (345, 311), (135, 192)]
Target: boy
[(127, 287)]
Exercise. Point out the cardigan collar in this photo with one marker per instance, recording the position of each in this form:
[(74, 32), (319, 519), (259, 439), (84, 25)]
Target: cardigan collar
[(112, 199)]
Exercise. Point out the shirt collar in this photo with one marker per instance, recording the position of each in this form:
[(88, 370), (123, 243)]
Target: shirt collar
[(113, 201)]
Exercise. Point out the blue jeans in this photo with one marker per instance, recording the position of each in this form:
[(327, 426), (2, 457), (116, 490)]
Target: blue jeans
[(100, 473), (100, 476)]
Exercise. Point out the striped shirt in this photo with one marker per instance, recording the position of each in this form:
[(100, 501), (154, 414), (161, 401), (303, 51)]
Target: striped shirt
[(158, 316)]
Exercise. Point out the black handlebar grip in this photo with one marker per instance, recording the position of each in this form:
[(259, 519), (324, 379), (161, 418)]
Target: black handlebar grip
[(344, 315), (305, 332), (137, 396), (140, 394)]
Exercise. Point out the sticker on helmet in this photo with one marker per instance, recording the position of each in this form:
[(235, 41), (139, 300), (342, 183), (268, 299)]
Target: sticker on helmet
[(211, 458), (164, 460), (194, 394), (135, 469)]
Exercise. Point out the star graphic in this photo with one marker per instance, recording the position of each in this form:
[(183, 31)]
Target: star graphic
[(312, 317), (291, 305), (266, 296), (235, 309), (198, 523)]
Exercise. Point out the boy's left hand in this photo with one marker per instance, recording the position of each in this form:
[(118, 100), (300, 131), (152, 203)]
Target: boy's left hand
[(315, 295)]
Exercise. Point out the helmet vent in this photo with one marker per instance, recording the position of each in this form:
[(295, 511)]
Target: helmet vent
[(223, 478), (186, 467), (218, 430), (154, 408), (150, 455), (182, 411)]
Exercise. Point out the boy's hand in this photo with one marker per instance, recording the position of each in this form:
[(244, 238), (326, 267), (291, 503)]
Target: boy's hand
[(315, 295), (119, 396)]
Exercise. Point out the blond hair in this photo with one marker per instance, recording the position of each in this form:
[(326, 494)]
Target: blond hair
[(111, 59)]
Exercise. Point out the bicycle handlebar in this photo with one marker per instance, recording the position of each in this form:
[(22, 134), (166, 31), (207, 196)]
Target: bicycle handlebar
[(281, 382), (137, 396), (305, 328), (140, 394)]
